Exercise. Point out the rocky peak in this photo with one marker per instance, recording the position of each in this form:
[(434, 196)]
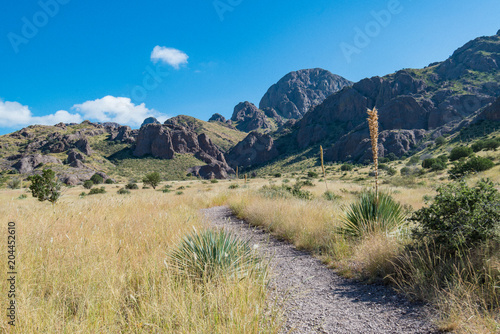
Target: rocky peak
[(248, 117), (150, 120), (255, 149), (217, 118), (294, 94)]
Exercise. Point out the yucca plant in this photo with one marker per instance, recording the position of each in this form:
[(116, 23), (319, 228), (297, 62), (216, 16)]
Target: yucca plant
[(370, 214), (214, 253)]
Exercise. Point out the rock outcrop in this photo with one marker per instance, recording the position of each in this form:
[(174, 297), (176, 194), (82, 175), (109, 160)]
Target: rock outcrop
[(27, 164), (297, 92), (164, 141), (255, 149), (217, 118), (247, 117)]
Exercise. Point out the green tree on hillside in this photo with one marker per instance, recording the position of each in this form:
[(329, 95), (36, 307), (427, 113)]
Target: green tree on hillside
[(153, 179), (45, 187)]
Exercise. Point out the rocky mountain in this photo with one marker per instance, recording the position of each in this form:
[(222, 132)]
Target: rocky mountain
[(164, 141), (297, 92), (255, 149), (413, 104), (247, 117)]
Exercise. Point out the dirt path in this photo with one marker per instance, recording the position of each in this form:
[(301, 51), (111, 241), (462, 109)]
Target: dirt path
[(319, 301)]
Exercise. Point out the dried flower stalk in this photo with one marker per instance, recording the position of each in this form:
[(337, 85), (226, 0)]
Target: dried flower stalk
[(373, 124)]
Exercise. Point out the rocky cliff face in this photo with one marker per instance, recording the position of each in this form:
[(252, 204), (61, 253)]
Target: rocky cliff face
[(297, 92), (255, 149), (248, 117), (163, 141)]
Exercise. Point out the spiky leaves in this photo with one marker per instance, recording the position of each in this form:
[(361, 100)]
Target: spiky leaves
[(370, 214), (209, 254)]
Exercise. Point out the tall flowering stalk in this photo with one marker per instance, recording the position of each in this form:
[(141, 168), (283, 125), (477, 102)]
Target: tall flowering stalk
[(323, 165), (373, 124)]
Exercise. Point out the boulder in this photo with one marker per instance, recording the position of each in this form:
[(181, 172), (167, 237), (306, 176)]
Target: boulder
[(150, 120), (70, 180), (28, 163), (255, 149)]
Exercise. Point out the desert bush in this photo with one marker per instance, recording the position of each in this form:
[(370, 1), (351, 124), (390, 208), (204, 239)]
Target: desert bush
[(234, 186), (123, 191), (440, 141), (88, 184), (153, 179), (306, 183), (277, 175), (210, 254), (179, 193), (472, 165), (443, 158), (22, 196), (96, 191), (285, 191), (181, 188), (214, 181), (45, 187), (312, 174), (460, 216), (109, 181), (346, 167), (370, 214), (434, 164), (97, 179), (487, 144), (14, 183), (132, 186), (330, 196), (460, 152)]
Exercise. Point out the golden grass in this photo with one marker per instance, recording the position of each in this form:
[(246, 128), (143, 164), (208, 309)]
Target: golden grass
[(96, 265)]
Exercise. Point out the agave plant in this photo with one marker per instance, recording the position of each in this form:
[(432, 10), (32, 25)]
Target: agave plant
[(371, 215), (209, 254)]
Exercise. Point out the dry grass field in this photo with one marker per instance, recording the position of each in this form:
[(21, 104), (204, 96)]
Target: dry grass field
[(97, 263)]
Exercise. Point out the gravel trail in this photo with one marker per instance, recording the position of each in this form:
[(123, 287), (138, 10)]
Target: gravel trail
[(320, 301)]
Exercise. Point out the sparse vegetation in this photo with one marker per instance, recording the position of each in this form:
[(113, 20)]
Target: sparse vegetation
[(153, 179), (88, 184), (97, 179), (96, 191)]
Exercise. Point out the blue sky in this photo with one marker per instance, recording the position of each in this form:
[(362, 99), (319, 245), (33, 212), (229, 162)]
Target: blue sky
[(71, 60)]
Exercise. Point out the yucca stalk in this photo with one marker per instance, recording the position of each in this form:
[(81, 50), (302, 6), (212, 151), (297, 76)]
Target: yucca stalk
[(237, 173), (373, 125), (323, 165), (245, 178)]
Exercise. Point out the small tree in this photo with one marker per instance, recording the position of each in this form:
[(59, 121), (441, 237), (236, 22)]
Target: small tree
[(460, 152), (97, 179), (153, 179), (45, 187), (88, 184)]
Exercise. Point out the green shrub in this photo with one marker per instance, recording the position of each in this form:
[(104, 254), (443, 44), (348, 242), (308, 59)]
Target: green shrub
[(460, 216), (487, 144), (285, 191), (96, 191), (212, 254), (440, 141), (152, 179), (392, 157), (472, 165), (346, 167), (415, 159), (14, 183), (166, 190), (306, 183), (132, 186), (312, 174), (234, 186), (460, 152), (88, 184), (277, 175), (286, 181), (109, 181), (369, 215), (181, 188), (97, 179), (45, 187), (330, 196), (214, 181), (123, 191), (443, 158), (22, 196), (434, 164), (179, 193)]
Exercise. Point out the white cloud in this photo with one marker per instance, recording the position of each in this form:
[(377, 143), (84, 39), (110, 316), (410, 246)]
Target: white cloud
[(170, 56), (14, 114), (116, 109)]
